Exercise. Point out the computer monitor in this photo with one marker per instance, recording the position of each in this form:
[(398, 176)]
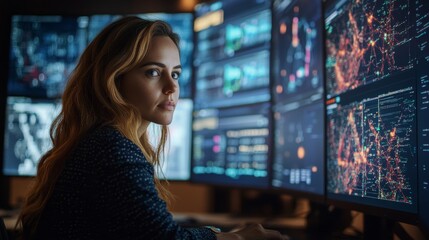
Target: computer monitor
[(232, 53), (371, 102), (422, 66), (298, 160), (26, 135), (182, 24), (45, 48), (43, 51), (176, 161), (232, 120), (231, 146)]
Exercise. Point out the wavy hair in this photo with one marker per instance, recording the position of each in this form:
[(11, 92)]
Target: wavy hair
[(91, 99)]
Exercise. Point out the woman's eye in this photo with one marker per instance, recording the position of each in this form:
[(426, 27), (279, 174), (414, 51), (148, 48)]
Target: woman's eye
[(175, 75), (152, 73)]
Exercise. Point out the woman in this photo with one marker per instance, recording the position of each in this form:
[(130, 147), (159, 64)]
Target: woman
[(97, 182)]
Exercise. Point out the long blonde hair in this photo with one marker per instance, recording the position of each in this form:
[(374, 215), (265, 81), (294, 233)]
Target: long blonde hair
[(91, 99)]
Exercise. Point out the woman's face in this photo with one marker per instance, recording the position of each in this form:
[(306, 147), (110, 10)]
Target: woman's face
[(154, 87)]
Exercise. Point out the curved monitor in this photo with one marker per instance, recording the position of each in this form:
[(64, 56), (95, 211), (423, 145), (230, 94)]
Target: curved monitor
[(371, 98)]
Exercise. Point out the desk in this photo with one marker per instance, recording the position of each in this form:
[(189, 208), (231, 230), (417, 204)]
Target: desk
[(201, 219), (295, 228), (226, 219)]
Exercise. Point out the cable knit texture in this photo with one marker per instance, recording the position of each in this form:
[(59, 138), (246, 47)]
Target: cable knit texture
[(107, 191)]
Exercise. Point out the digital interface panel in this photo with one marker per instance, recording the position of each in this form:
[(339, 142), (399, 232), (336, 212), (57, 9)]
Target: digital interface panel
[(297, 49), (232, 60), (26, 136), (43, 52), (176, 162), (234, 82), (231, 146), (299, 147), (366, 41)]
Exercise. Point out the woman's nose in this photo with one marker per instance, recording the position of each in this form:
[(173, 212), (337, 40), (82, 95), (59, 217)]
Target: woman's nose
[(171, 86)]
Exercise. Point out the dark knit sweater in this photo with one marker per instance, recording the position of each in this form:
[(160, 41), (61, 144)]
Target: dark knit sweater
[(107, 191)]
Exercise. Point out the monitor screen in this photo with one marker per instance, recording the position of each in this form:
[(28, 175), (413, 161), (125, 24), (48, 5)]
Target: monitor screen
[(422, 44), (26, 135), (176, 161), (43, 52), (299, 147), (232, 53), (45, 48), (366, 41), (297, 49), (231, 146), (298, 97), (371, 117)]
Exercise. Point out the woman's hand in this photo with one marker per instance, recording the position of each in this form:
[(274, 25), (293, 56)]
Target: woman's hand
[(251, 232)]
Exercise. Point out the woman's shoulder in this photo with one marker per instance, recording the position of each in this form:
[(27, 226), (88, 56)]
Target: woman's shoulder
[(106, 139), (107, 146)]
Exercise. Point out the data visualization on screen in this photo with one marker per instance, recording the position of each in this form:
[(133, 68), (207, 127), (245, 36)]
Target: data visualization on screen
[(372, 104), (366, 41), (231, 146), (297, 49), (298, 161), (232, 53), (43, 52), (27, 136), (299, 147), (371, 146), (45, 48)]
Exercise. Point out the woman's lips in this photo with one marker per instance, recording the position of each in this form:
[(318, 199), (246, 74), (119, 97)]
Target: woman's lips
[(170, 106)]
